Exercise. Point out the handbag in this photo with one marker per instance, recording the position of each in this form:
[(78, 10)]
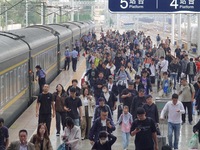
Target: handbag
[(193, 143)]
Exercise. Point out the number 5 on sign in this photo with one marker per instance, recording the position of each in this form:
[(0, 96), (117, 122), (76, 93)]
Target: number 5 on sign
[(174, 4), (124, 4)]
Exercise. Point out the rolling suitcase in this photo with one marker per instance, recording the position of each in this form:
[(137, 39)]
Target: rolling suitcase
[(162, 140)]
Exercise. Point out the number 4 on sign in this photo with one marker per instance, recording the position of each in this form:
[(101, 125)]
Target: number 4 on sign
[(174, 4)]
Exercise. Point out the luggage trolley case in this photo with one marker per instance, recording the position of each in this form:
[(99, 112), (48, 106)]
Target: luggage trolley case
[(162, 140)]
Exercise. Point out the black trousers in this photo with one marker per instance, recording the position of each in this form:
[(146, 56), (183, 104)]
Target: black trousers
[(60, 117), (67, 63), (45, 118), (74, 63), (187, 105), (191, 78), (41, 82)]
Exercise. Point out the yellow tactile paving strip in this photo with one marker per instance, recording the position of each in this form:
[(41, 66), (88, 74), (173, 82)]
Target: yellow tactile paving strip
[(28, 119)]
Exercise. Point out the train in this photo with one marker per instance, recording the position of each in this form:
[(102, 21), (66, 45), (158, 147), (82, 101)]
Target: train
[(21, 50)]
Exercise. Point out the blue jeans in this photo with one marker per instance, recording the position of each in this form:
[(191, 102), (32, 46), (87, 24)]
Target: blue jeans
[(125, 139), (76, 122), (172, 127), (173, 77)]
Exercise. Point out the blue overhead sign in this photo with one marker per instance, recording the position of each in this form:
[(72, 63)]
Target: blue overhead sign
[(154, 6)]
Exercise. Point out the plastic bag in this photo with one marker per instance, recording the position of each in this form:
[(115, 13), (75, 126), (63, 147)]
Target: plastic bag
[(193, 143), (61, 147)]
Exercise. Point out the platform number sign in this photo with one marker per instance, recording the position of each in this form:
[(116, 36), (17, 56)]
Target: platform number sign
[(124, 4), (174, 4), (155, 6)]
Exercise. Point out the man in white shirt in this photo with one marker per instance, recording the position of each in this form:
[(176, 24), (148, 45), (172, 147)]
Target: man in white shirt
[(175, 110), (163, 65)]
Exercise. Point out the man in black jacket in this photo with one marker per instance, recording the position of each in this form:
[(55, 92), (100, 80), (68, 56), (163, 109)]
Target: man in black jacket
[(112, 86), (92, 74), (103, 123), (191, 70), (138, 101), (174, 68), (102, 143), (128, 94)]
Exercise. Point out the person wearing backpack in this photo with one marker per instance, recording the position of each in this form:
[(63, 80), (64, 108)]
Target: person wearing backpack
[(125, 121), (187, 93), (166, 84)]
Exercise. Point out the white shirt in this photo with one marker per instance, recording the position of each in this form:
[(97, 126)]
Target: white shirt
[(164, 65), (85, 101), (153, 70), (173, 115), (110, 87)]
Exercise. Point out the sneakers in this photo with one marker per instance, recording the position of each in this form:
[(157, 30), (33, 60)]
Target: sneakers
[(183, 123), (190, 123), (57, 134)]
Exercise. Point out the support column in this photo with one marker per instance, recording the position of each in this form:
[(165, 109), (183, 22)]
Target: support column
[(179, 30), (198, 45), (26, 13), (60, 14), (172, 29), (43, 13), (188, 31), (72, 13), (118, 16), (164, 19)]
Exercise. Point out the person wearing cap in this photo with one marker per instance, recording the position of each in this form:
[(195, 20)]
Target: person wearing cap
[(110, 98), (40, 77), (128, 94), (144, 130), (98, 108), (138, 101), (45, 104), (186, 96), (174, 110), (112, 86), (67, 58), (102, 123), (74, 54), (72, 105), (4, 138), (152, 111)]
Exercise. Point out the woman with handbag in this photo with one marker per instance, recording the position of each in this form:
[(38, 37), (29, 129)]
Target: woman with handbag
[(72, 135)]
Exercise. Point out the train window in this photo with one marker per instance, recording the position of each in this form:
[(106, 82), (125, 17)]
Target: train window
[(15, 81), (7, 87), (25, 75), (18, 79), (11, 84), (22, 77), (2, 90)]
